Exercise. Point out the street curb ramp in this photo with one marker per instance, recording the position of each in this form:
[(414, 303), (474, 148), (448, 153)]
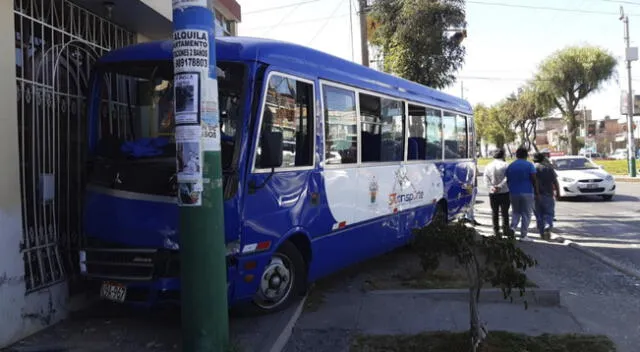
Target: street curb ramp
[(533, 296)]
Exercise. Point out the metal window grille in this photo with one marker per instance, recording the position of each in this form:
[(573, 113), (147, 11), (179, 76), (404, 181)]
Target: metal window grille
[(57, 43)]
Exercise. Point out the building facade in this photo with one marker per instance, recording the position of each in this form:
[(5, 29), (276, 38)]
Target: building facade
[(43, 140)]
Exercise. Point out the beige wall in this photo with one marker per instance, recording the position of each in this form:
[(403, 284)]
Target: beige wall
[(163, 7), (20, 315)]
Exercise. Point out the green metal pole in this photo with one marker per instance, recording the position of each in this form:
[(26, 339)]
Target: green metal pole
[(205, 324)]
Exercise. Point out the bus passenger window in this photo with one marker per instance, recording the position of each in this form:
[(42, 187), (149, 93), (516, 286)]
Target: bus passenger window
[(471, 137), (289, 109), (450, 136), (461, 130), (434, 134), (341, 129), (382, 129), (417, 142)]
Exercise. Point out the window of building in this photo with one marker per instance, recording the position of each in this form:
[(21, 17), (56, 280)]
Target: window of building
[(461, 131), (434, 134), (450, 136), (289, 109), (382, 129), (417, 139), (341, 126)]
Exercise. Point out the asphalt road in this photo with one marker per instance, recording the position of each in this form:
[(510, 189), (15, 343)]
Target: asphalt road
[(602, 299), (610, 227)]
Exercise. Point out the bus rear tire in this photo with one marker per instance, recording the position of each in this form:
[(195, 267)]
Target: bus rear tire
[(282, 281)]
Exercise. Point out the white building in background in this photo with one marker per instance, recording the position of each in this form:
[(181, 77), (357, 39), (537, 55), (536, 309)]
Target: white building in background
[(42, 139)]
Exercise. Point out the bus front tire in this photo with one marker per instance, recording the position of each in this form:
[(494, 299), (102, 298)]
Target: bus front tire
[(283, 279)]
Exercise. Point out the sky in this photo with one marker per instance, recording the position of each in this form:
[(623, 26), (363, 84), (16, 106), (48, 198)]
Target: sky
[(507, 39)]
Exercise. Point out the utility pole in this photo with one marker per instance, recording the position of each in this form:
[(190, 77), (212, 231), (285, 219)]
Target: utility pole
[(351, 29), (364, 40), (203, 276), (584, 122), (461, 89), (631, 54)]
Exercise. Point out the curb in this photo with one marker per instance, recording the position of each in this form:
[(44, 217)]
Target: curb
[(534, 296), (627, 179), (285, 335), (606, 260)]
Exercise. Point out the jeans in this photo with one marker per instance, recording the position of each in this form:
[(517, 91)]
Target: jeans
[(522, 206), (500, 203), (545, 211)]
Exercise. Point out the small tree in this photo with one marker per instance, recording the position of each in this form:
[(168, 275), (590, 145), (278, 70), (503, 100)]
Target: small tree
[(417, 41), (503, 265), (525, 109), (569, 76)]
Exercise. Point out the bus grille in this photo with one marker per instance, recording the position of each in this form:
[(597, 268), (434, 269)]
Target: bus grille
[(122, 264)]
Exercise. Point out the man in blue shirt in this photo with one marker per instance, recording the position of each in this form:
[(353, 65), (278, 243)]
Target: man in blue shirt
[(523, 188)]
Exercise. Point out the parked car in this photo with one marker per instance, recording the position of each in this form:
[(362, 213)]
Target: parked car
[(619, 154), (579, 176)]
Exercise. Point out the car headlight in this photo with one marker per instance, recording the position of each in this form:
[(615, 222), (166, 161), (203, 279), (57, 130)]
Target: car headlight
[(609, 178), (566, 179)]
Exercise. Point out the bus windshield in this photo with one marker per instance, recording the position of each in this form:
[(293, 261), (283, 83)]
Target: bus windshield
[(144, 108)]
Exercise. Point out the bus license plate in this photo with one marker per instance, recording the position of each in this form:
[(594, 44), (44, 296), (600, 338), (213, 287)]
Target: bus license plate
[(113, 292)]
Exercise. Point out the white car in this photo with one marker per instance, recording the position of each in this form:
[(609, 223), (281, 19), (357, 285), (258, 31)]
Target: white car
[(619, 154), (580, 176)]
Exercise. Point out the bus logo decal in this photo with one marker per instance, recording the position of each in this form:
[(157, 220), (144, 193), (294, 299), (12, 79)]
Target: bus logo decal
[(373, 190)]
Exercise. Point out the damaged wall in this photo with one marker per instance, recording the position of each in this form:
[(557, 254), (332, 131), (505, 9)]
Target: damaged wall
[(20, 315)]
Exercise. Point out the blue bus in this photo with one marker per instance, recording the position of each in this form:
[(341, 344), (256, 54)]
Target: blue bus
[(366, 158)]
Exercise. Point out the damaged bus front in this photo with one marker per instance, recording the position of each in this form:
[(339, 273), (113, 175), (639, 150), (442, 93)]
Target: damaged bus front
[(130, 214)]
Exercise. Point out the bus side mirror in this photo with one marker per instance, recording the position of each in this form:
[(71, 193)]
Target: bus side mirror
[(271, 150)]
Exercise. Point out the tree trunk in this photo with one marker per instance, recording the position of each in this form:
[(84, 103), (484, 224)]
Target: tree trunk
[(572, 126), (535, 134), (478, 331)]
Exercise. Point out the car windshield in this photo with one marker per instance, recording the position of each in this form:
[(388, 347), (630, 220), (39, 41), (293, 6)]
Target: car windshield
[(573, 164)]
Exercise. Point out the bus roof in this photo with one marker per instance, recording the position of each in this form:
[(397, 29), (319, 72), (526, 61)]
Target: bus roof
[(303, 60)]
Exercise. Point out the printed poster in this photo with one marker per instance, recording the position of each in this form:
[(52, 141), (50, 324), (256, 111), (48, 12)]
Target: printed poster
[(190, 194), (191, 51), (188, 133), (187, 98), (210, 137), (210, 96), (188, 159)]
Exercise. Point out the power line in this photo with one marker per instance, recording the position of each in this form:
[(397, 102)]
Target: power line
[(327, 22), (533, 7), (299, 22), (280, 7), (623, 2), (282, 19)]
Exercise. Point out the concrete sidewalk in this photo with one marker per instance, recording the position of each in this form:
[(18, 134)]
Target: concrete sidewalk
[(109, 328), (344, 314), (600, 296)]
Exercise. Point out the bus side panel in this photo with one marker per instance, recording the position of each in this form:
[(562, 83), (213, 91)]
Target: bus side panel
[(287, 200), (424, 176), (465, 172), (457, 176), (380, 199)]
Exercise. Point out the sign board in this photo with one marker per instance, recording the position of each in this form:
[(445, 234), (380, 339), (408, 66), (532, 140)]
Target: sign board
[(623, 104)]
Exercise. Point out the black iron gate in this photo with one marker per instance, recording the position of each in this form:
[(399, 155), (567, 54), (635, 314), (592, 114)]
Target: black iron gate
[(57, 42)]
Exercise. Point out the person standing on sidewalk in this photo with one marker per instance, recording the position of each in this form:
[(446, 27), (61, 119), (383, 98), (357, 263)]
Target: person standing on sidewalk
[(496, 181), (548, 187), (523, 188)]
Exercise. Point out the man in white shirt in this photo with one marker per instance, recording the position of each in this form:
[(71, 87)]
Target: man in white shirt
[(496, 181)]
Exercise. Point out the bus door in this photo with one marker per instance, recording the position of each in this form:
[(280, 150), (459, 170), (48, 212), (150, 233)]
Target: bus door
[(282, 187)]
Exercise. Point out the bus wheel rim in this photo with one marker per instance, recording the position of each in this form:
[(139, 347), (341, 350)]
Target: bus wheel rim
[(276, 282)]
